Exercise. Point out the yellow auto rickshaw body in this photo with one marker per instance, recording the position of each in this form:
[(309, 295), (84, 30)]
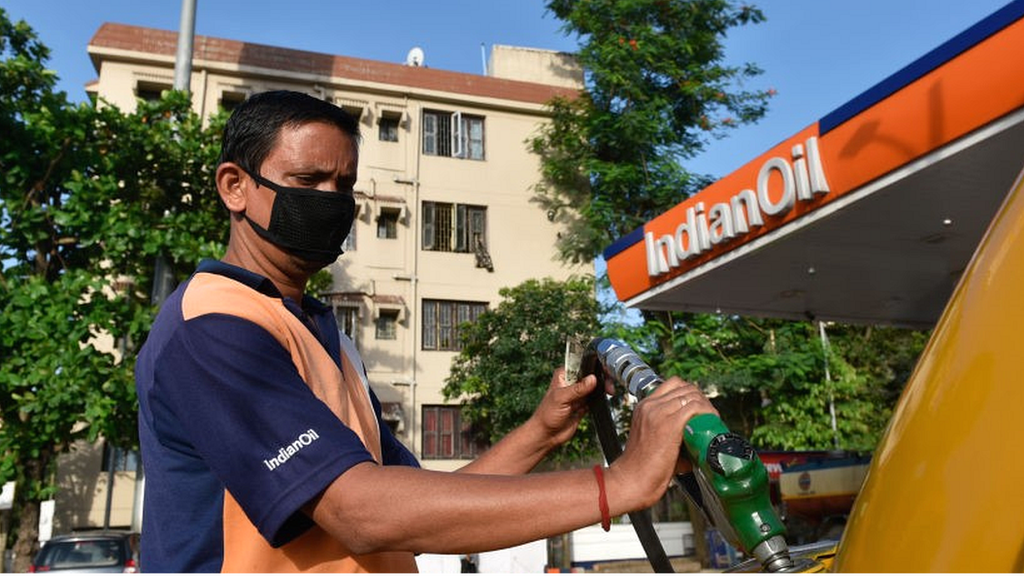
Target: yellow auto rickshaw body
[(945, 489)]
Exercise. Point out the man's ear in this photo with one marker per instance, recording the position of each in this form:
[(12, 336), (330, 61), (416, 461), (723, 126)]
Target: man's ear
[(231, 186)]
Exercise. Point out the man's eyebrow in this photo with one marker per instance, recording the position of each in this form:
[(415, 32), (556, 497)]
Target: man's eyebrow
[(314, 173), (309, 171)]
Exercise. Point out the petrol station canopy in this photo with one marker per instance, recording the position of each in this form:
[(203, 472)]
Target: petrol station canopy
[(868, 215)]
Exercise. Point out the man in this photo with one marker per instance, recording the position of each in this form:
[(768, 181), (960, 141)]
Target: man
[(263, 445)]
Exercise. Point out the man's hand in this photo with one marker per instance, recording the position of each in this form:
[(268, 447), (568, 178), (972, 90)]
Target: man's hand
[(651, 455), (552, 424), (563, 406)]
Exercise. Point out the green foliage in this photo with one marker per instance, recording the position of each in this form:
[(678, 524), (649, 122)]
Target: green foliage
[(770, 376), (509, 352), (320, 283), (656, 91), (90, 196)]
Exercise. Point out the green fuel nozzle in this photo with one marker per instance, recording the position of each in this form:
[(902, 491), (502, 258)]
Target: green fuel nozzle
[(732, 479), (731, 475)]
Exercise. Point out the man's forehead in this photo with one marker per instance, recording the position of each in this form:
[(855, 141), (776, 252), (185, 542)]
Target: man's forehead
[(308, 139), (299, 126)]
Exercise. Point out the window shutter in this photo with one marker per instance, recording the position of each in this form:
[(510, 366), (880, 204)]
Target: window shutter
[(477, 227), (458, 150), (447, 448), (428, 225), (429, 325), (475, 138), (430, 433), (461, 229), (429, 133), (445, 338)]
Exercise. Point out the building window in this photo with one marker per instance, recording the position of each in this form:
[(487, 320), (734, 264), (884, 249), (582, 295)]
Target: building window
[(453, 134), (348, 320), (454, 227), (387, 129), (230, 100), (387, 325), (150, 91), (387, 223), (442, 320), (119, 459), (353, 110), (445, 436)]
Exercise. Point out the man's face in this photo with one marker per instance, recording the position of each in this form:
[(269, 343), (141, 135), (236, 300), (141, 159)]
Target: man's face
[(314, 155)]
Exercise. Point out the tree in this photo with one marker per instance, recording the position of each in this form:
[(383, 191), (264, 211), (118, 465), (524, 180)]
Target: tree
[(89, 198), (770, 377), (508, 353), (656, 90)]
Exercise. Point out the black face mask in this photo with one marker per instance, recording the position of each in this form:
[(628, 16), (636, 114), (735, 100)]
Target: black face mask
[(307, 223)]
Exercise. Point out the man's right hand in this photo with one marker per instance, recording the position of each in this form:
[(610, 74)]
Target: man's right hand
[(644, 470)]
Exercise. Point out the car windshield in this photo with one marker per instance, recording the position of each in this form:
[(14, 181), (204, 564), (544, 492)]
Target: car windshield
[(79, 554)]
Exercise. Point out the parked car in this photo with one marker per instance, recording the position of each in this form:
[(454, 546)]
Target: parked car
[(89, 552)]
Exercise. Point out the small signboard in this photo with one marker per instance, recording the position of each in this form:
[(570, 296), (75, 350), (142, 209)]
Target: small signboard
[(7, 496), (46, 520)]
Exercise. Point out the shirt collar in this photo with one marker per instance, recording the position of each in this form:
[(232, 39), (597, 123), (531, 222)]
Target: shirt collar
[(251, 279), (257, 282)]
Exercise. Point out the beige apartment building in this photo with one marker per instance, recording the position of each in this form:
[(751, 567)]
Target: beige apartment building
[(445, 214)]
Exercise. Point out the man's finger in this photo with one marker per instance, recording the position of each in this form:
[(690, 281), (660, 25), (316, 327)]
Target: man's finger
[(585, 385)]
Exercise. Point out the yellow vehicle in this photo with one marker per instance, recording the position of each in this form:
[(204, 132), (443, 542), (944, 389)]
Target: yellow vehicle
[(943, 492), (904, 206), (946, 479)]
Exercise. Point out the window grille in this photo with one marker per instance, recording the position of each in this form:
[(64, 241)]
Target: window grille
[(387, 224), (387, 129), (453, 134), (454, 227), (442, 320), (446, 436), (387, 325)]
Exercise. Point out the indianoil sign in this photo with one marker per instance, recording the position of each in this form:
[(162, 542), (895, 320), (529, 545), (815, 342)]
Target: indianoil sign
[(786, 182), (965, 84), (801, 179)]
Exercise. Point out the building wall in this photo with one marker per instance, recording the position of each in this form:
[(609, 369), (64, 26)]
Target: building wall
[(377, 275), (82, 495), (535, 65)]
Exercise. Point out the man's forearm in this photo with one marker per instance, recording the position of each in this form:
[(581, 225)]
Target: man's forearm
[(444, 513), (517, 453), (374, 508)]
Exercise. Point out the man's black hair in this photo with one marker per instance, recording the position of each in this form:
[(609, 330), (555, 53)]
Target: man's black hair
[(251, 132)]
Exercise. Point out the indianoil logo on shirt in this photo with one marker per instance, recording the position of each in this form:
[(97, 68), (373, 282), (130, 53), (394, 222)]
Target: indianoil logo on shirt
[(286, 452)]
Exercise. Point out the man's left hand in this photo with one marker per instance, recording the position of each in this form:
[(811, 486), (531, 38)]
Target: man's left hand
[(564, 404)]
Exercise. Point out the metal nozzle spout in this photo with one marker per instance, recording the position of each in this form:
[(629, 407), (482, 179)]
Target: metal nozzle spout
[(623, 364), (773, 554)]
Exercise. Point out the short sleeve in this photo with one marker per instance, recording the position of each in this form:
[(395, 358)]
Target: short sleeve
[(238, 399)]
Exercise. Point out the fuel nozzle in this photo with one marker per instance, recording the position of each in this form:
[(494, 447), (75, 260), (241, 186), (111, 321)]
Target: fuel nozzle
[(732, 480)]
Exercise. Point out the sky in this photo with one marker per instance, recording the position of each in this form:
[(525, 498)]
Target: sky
[(816, 54)]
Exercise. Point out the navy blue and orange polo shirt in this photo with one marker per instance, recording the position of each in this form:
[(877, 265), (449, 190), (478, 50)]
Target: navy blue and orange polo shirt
[(248, 409)]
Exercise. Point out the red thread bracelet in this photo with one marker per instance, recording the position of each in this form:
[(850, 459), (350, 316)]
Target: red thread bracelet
[(602, 498)]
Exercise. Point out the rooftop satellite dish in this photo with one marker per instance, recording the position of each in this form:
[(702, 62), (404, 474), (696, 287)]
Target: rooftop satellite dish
[(415, 57)]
